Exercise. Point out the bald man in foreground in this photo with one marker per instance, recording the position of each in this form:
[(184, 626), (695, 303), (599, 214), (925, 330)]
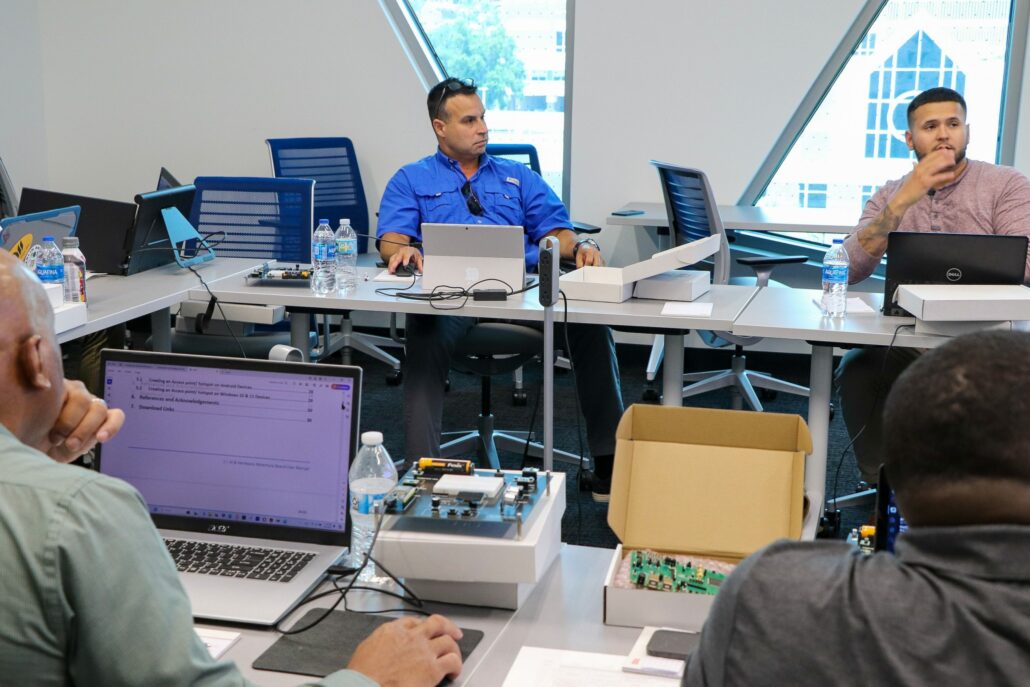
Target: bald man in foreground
[(88, 593)]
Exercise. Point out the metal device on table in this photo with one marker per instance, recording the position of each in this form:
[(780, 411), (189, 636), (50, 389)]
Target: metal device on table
[(439, 494)]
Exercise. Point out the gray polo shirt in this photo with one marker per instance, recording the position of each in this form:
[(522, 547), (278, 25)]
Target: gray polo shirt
[(88, 592), (952, 607), (986, 199)]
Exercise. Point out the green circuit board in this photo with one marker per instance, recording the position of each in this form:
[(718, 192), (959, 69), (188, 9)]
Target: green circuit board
[(665, 573)]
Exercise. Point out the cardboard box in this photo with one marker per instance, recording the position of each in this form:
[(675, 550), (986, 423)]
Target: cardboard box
[(965, 303), (678, 285), (697, 481), (476, 570), (615, 284)]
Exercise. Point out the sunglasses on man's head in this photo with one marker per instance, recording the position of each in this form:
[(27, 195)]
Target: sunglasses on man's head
[(471, 199), (451, 85)]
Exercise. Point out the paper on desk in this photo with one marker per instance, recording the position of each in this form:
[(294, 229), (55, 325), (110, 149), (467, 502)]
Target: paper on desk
[(557, 668), (854, 306), (685, 309), (397, 278), (216, 641)]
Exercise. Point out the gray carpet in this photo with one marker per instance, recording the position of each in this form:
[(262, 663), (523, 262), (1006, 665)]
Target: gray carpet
[(585, 521)]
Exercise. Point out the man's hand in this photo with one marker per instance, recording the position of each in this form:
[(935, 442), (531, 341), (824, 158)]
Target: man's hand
[(403, 256), (587, 255), (934, 171), (84, 420), (410, 652)]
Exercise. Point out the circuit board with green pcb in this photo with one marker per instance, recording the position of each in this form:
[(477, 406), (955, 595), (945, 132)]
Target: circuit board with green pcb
[(665, 573)]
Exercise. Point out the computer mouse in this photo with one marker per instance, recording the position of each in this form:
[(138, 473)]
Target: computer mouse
[(406, 270)]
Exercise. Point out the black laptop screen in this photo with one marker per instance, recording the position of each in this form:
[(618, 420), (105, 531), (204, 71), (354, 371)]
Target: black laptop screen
[(240, 443)]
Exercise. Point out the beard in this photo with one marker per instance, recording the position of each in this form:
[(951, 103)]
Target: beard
[(960, 155)]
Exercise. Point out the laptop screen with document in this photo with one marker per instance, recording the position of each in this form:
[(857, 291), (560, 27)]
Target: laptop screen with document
[(235, 446)]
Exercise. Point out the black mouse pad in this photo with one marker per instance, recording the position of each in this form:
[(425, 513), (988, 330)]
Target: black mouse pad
[(328, 646)]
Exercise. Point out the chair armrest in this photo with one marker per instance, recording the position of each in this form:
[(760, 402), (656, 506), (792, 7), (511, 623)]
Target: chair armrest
[(584, 228), (761, 260)]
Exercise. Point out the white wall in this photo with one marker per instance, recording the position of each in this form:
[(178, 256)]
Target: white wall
[(22, 133), (701, 84), (197, 86)]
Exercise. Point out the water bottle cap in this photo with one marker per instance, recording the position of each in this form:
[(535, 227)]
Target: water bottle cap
[(323, 221), (70, 242), (836, 241), (344, 220), (371, 438), (48, 238)]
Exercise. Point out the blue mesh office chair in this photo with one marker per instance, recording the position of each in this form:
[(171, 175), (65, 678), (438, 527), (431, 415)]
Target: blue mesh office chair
[(339, 193), (248, 217), (693, 215)]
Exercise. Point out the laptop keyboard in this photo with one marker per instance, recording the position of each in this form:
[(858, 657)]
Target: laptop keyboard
[(228, 560)]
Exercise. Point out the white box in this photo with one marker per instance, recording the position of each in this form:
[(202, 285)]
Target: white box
[(55, 294), (678, 285), (615, 284), (69, 316), (965, 303), (478, 570), (236, 312)]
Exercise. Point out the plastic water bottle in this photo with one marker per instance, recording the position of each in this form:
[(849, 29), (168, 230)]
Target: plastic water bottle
[(346, 257), (32, 257), (835, 280), (323, 259), (372, 476), (74, 270), (50, 263)]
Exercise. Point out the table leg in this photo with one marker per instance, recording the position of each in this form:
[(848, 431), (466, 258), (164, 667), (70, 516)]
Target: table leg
[(160, 330), (300, 327), (672, 371), (820, 381)]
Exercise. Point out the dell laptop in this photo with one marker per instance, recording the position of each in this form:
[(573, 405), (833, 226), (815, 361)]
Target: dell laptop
[(473, 256), (243, 465), (935, 258)]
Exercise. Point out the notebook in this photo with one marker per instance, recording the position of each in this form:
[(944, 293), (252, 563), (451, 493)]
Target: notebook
[(476, 256), (103, 225), (231, 452), (935, 258), (19, 234)]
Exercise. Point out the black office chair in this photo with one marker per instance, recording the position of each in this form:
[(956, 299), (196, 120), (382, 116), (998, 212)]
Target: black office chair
[(694, 215), (495, 348)]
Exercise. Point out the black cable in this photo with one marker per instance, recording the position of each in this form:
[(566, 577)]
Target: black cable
[(219, 306), (444, 293), (579, 410)]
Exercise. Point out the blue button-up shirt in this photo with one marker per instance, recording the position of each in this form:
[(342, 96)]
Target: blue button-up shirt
[(510, 192)]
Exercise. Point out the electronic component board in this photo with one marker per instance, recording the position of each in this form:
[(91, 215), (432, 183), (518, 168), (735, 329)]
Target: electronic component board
[(450, 495), (665, 573)]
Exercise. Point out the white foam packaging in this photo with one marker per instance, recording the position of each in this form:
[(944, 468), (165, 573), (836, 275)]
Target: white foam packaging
[(457, 567), (965, 302), (615, 284)]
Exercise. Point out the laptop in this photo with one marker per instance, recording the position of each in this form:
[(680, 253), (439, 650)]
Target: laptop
[(103, 225), (242, 460), (476, 256), (19, 234), (934, 258)]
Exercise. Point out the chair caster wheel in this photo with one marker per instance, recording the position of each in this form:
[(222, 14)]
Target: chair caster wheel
[(650, 396), (394, 377), (519, 398)]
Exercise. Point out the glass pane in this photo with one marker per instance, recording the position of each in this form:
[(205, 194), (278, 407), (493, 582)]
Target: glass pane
[(515, 50), (855, 141)]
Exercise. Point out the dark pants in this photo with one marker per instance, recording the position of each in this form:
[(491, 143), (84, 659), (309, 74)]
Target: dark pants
[(864, 378), (430, 343)]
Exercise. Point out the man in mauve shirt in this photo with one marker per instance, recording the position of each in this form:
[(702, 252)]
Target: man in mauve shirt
[(945, 192)]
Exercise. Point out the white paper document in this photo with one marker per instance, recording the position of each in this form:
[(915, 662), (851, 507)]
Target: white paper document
[(692, 309), (557, 668), (854, 306), (394, 278), (217, 641)]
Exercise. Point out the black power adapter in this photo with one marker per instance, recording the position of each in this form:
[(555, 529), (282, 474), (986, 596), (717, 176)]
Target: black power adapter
[(489, 295)]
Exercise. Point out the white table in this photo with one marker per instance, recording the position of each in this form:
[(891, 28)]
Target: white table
[(791, 314), (746, 217), (565, 611), (113, 300)]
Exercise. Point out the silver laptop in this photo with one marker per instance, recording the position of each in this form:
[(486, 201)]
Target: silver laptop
[(243, 465), (473, 256)]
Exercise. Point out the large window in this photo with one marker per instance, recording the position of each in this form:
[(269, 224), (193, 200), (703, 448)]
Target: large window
[(855, 140), (515, 50)]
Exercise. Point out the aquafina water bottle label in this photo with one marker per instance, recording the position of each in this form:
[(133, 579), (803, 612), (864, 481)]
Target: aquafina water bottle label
[(319, 251), (365, 504), (835, 274), (50, 274)]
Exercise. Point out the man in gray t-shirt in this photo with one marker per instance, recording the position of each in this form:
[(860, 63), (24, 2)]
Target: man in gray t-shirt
[(945, 192), (951, 606)]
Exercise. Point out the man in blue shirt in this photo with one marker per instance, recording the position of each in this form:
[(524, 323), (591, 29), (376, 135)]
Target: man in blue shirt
[(461, 184)]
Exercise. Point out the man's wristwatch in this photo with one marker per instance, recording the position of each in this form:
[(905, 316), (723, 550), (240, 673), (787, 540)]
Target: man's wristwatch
[(586, 240)]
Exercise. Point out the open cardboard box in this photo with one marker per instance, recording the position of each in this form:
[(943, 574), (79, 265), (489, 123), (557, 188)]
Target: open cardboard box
[(615, 284), (697, 481)]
